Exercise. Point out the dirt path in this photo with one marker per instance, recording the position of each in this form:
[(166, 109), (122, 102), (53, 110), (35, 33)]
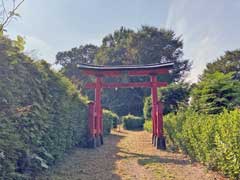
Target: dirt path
[(128, 155)]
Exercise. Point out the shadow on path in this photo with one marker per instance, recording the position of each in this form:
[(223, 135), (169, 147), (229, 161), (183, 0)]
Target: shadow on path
[(88, 164), (148, 159)]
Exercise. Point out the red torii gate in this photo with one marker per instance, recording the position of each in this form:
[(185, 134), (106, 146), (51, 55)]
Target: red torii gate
[(95, 109)]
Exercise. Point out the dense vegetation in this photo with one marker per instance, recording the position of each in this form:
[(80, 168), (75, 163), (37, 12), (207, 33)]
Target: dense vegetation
[(123, 47), (147, 126), (41, 113), (230, 62), (208, 127), (215, 92), (132, 122), (173, 96), (211, 139), (110, 121)]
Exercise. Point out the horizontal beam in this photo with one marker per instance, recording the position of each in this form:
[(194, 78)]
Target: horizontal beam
[(112, 73), (126, 85)]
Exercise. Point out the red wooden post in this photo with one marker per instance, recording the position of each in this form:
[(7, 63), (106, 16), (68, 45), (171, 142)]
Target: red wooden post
[(98, 103), (154, 105), (160, 120), (160, 139), (91, 123), (98, 110)]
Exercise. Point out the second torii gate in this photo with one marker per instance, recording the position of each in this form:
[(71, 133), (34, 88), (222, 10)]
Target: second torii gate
[(95, 109)]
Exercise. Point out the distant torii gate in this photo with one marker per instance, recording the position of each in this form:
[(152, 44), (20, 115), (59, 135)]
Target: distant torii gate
[(95, 110)]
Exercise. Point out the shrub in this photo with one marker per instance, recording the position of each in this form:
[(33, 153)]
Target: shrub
[(211, 139), (131, 122), (148, 125), (41, 114), (110, 120), (147, 107)]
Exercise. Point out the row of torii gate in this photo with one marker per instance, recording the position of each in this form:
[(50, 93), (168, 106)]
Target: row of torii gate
[(95, 121)]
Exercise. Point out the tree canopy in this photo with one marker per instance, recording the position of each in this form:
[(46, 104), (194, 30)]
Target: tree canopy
[(229, 62), (125, 46), (69, 60), (173, 97), (215, 92), (146, 46)]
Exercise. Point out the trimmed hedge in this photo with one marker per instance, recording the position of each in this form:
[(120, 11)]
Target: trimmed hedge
[(147, 107), (211, 139), (132, 122), (148, 125), (41, 114), (110, 120)]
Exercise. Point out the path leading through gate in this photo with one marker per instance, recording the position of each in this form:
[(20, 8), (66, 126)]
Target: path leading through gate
[(128, 155), (95, 110)]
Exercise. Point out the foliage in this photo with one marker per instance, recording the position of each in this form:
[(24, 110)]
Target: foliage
[(69, 60), (148, 125), (215, 92), (173, 97), (132, 122), (110, 120), (211, 139), (147, 45), (8, 12), (125, 46), (41, 114), (147, 107), (230, 62)]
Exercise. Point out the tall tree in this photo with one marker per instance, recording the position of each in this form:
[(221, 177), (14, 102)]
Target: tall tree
[(173, 96), (215, 92), (69, 60), (125, 46), (229, 62), (146, 46)]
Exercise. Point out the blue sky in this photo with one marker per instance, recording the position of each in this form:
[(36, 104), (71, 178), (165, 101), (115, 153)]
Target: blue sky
[(208, 27)]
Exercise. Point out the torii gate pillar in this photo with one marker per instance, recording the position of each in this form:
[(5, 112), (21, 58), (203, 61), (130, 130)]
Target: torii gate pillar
[(158, 140), (98, 110)]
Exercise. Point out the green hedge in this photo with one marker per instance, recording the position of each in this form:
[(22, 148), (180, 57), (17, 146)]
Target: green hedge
[(147, 107), (110, 120), (211, 139), (41, 114), (131, 122), (148, 125)]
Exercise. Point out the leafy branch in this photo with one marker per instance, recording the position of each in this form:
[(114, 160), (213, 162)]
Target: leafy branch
[(7, 15)]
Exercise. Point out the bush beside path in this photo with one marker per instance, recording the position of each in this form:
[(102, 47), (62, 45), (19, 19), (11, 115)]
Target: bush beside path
[(128, 155)]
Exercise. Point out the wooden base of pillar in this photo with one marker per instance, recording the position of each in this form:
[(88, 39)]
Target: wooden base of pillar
[(153, 140), (92, 142), (98, 138), (101, 139), (159, 142)]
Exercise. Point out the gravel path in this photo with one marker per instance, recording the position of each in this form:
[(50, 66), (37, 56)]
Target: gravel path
[(128, 155)]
